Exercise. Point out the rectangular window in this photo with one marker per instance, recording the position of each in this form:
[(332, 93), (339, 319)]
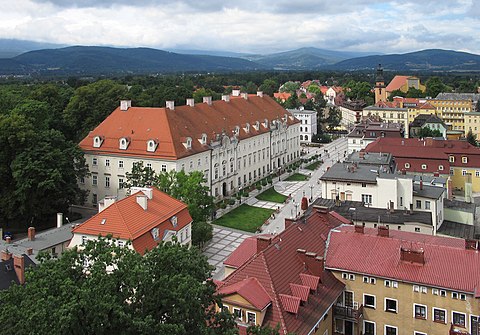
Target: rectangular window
[(369, 300), (464, 172), (164, 168), (390, 305), (84, 240), (373, 281), (367, 199), (94, 161), (458, 319), (439, 315), (251, 317), (443, 293), (107, 181), (237, 313), (120, 183), (365, 280), (452, 172), (454, 295), (94, 180), (368, 327), (420, 311), (82, 180), (390, 330), (344, 275), (435, 291), (107, 162), (418, 204), (120, 164), (477, 173), (351, 277), (427, 204), (463, 296), (464, 160)]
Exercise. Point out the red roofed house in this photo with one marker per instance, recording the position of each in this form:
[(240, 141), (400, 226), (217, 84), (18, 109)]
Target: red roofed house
[(235, 142), (456, 159), (146, 218), (282, 96), (407, 283), (403, 83), (281, 279)]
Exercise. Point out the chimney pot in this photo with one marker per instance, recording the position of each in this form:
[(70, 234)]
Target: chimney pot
[(226, 98), (8, 240), (31, 233), (59, 220), (235, 93), (191, 102), (6, 255), (359, 229), (245, 96), (260, 94), (314, 263), (383, 231), (19, 266), (125, 104)]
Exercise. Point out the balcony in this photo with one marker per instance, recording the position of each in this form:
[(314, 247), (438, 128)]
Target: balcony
[(348, 313)]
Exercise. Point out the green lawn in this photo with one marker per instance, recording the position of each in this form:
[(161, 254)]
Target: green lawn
[(245, 217), (297, 177), (313, 166), (271, 195)]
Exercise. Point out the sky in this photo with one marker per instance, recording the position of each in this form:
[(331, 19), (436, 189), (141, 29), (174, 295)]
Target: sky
[(248, 26)]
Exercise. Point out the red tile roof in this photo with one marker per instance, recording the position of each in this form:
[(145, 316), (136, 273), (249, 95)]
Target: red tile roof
[(282, 95), (170, 127), (428, 151), (250, 289), (245, 250), (279, 265), (290, 303), (126, 219), (447, 263), (396, 83), (300, 291)]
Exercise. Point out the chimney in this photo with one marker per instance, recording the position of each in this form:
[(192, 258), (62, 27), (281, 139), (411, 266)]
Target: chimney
[(321, 209), (125, 104), (6, 255), (260, 94), (429, 141), (314, 263), (170, 104), (383, 231), (226, 98), (263, 242), (301, 254), (245, 96), (8, 240), (412, 256), (288, 222), (207, 100), (142, 200), (359, 229), (191, 102), (19, 266), (472, 244), (107, 201), (235, 93), (30, 251), (148, 191), (59, 220), (31, 233)]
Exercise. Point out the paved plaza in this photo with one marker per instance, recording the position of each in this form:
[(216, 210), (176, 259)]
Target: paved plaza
[(225, 240)]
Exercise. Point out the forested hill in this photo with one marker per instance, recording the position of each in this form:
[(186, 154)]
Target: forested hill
[(83, 60), (424, 60)]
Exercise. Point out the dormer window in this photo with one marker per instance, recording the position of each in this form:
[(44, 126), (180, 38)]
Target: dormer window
[(464, 159), (451, 159), (407, 165), (97, 141), (247, 127), (204, 138), (424, 166), (152, 145), (237, 130), (188, 143), (265, 123), (440, 167), (124, 142), (256, 125)]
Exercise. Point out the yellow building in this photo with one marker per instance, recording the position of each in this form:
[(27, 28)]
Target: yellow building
[(452, 112), (388, 112), (404, 83), (380, 89), (404, 283), (472, 122)]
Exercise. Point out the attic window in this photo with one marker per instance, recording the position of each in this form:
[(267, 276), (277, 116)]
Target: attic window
[(103, 221), (188, 143), (204, 138), (440, 167), (265, 123), (247, 127), (256, 125), (237, 130), (152, 145), (451, 159), (97, 141), (407, 165), (124, 142), (464, 159), (424, 166)]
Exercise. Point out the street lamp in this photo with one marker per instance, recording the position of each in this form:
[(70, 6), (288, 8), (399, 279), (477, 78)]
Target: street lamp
[(311, 193)]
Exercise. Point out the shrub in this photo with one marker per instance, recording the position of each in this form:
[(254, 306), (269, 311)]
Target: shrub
[(231, 202)]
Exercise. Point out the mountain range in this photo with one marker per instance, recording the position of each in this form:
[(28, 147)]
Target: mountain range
[(96, 60)]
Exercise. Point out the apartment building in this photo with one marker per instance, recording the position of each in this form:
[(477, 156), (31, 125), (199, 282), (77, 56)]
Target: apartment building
[(388, 112), (234, 142), (404, 283), (368, 131), (308, 123)]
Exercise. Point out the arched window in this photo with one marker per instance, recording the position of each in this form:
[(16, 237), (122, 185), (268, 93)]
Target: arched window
[(306, 137), (301, 137)]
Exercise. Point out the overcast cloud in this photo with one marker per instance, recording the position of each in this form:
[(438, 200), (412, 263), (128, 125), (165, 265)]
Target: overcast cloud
[(253, 26)]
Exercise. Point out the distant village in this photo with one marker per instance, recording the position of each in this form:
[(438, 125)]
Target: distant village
[(375, 232)]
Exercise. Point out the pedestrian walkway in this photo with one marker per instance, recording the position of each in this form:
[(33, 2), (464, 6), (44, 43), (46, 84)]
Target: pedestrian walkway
[(224, 241), (289, 187), (264, 204)]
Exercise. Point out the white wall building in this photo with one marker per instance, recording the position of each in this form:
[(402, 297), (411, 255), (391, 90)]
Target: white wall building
[(234, 142), (308, 123)]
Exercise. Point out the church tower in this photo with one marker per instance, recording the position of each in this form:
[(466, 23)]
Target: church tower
[(380, 92)]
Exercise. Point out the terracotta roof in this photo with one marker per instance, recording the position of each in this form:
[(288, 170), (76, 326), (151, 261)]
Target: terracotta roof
[(282, 95), (396, 83), (245, 250), (126, 219), (250, 289), (447, 264), (169, 128), (323, 89), (279, 266)]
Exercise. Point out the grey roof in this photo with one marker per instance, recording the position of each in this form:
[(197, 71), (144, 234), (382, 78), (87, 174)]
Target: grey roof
[(302, 111), (460, 230), (370, 214), (423, 119), (430, 180), (458, 96), (43, 241), (376, 108), (460, 205), (428, 191), (8, 274), (370, 158), (362, 173)]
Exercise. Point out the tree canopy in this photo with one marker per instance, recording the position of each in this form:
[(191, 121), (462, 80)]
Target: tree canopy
[(106, 289)]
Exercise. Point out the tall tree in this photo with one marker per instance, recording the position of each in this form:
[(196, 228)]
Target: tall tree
[(140, 176), (102, 289), (269, 86), (471, 138), (290, 87), (91, 104), (435, 86)]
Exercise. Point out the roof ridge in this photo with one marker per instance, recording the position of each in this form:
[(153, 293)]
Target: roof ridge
[(123, 218), (169, 125), (275, 295)]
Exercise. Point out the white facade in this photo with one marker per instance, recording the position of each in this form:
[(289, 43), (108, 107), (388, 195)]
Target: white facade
[(355, 144), (229, 164), (308, 123)]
